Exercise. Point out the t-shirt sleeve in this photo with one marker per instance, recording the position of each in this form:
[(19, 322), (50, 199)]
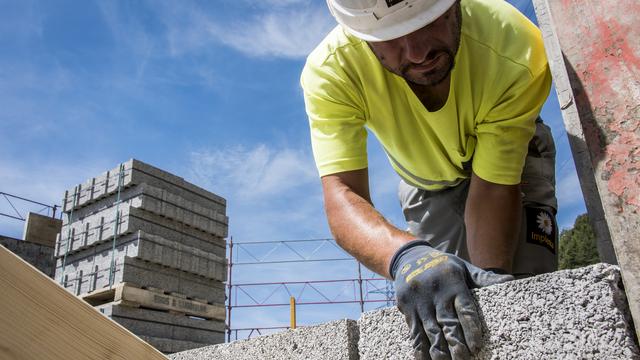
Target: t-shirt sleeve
[(504, 134), (336, 119)]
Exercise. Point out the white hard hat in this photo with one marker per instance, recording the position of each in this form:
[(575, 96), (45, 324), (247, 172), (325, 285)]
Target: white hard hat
[(381, 20)]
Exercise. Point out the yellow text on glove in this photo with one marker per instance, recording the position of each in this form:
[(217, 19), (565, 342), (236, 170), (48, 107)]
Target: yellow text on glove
[(433, 263)]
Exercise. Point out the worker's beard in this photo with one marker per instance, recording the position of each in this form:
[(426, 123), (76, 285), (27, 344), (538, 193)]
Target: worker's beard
[(446, 63)]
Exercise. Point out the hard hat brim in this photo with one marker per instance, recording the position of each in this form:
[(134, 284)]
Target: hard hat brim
[(394, 31)]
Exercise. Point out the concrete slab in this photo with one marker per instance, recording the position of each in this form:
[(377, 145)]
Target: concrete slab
[(113, 310), (163, 203), (41, 229), (335, 340), (100, 228), (150, 248), (136, 172), (145, 274), (573, 314), (162, 324)]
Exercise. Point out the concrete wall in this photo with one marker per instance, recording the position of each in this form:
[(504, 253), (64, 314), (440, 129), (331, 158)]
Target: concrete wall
[(336, 340), (38, 255), (572, 314)]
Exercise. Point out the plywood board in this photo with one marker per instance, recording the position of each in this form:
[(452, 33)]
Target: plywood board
[(41, 320)]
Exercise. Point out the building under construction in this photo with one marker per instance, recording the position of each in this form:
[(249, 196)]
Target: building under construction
[(148, 250)]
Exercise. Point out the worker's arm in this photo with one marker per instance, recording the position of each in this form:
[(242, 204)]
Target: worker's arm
[(432, 288), (492, 219), (357, 227)]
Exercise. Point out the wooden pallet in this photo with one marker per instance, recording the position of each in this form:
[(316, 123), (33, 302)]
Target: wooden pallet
[(132, 295), (41, 320)]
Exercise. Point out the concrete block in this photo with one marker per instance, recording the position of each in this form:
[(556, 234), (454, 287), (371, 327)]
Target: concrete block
[(170, 346), (335, 340), (573, 314), (165, 325), (79, 281), (150, 248), (164, 203), (40, 256), (41, 229), (100, 227), (135, 172)]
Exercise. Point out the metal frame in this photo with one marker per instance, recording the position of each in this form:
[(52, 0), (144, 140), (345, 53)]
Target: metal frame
[(18, 215), (361, 287)]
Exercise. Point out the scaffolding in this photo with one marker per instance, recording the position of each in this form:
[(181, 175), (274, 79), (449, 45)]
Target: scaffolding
[(357, 289), (17, 215)]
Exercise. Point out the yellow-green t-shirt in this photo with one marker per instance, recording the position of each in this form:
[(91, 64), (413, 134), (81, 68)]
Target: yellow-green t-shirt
[(498, 85)]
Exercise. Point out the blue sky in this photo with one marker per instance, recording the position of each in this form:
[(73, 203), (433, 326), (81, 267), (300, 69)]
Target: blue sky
[(207, 90)]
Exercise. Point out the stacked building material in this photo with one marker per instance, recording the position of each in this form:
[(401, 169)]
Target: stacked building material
[(147, 248), (569, 314)]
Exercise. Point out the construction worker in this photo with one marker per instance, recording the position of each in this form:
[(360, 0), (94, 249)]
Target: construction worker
[(452, 90)]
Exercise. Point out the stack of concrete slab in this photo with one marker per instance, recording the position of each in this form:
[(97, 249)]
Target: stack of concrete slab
[(571, 314), (148, 249)]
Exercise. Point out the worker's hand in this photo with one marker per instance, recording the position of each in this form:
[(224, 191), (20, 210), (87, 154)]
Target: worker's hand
[(433, 293)]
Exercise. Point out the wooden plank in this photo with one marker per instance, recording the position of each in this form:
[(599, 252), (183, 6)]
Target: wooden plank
[(593, 47), (100, 296), (155, 300), (41, 320)]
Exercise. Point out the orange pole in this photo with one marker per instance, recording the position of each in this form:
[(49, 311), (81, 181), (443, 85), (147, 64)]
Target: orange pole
[(292, 303)]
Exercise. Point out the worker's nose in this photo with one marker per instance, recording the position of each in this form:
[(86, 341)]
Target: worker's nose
[(416, 48)]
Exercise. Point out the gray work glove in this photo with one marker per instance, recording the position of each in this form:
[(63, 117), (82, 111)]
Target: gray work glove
[(433, 293)]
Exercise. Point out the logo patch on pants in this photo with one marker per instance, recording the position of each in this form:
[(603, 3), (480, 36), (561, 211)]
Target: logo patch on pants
[(390, 3), (541, 228)]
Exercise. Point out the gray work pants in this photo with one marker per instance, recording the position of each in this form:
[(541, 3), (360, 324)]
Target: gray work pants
[(438, 216)]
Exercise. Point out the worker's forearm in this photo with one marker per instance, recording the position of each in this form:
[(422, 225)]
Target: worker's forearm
[(492, 219), (361, 230)]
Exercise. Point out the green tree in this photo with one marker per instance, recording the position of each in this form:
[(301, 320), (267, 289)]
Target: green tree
[(578, 245)]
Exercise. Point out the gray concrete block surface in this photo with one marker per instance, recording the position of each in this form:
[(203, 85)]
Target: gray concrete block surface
[(571, 314), (169, 346), (101, 227), (144, 274), (150, 248), (41, 229), (163, 324), (336, 340), (164, 203), (135, 172)]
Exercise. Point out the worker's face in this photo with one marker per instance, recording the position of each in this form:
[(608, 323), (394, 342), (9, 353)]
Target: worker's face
[(425, 56)]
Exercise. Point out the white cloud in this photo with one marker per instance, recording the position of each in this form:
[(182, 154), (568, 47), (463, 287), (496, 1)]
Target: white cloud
[(250, 173), (289, 34), (131, 37), (272, 194), (290, 30)]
